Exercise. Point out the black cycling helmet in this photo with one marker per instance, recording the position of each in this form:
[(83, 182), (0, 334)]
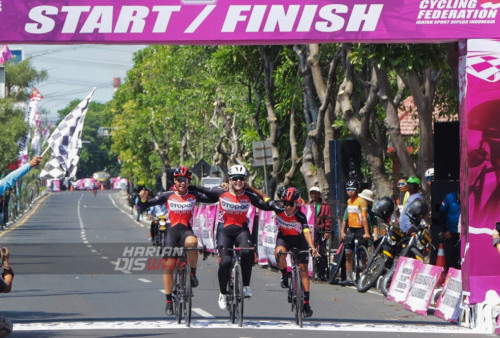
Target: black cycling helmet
[(290, 194), (417, 210), (280, 190), (384, 208), (182, 172), (352, 184)]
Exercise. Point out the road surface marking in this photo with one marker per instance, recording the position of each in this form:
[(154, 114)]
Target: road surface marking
[(203, 313), (253, 324), (144, 280)]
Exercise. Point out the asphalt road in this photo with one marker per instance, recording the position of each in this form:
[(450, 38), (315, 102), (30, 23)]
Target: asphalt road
[(72, 279)]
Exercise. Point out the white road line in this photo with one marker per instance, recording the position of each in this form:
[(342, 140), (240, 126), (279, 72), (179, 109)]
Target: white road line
[(202, 312), (89, 245), (162, 291), (104, 257), (144, 280), (255, 325)]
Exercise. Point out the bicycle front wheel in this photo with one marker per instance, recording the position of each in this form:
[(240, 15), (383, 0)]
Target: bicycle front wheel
[(299, 298), (361, 262), (238, 295), (187, 295), (177, 294)]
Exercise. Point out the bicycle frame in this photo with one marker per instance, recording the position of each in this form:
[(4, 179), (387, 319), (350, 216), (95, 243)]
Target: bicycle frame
[(235, 286), (296, 287), (182, 292)]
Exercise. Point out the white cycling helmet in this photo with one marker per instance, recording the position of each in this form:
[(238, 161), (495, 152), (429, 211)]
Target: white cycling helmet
[(237, 170), (429, 172)]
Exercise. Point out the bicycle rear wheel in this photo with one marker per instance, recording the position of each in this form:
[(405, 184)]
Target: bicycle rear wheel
[(187, 295), (299, 298), (238, 295)]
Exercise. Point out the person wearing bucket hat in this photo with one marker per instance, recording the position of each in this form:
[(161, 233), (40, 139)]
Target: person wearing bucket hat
[(369, 197), (413, 186)]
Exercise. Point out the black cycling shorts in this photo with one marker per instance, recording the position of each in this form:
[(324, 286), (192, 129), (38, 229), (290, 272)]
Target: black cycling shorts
[(358, 234), (233, 235), (298, 242), (176, 236)]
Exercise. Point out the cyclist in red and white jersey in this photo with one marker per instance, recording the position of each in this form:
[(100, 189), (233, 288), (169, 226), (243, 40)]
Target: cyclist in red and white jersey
[(180, 204), (232, 228), (293, 231)]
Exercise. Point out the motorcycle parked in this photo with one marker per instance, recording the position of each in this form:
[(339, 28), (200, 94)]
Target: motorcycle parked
[(158, 230), (386, 248), (418, 242)]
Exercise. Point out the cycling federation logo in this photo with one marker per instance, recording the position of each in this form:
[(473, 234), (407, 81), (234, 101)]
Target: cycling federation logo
[(444, 12)]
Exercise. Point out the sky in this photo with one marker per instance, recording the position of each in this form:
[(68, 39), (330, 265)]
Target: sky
[(73, 70)]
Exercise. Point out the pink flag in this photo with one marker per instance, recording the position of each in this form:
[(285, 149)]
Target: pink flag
[(5, 54)]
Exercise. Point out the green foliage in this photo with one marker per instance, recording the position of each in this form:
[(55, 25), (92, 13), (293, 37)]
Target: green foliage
[(20, 78), (14, 119)]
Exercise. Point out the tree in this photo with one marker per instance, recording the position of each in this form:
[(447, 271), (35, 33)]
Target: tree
[(20, 79)]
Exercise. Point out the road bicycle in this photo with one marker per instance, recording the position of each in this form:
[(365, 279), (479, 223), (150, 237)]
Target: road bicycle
[(182, 292), (360, 260), (295, 286), (235, 293)]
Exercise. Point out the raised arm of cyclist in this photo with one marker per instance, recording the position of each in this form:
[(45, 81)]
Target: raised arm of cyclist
[(180, 204)]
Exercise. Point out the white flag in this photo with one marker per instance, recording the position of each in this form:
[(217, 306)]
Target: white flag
[(66, 143)]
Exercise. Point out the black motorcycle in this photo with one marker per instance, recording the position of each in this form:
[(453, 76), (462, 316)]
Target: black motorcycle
[(386, 248), (416, 246)]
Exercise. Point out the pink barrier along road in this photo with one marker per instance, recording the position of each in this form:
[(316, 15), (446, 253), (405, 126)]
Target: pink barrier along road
[(448, 304), (245, 21), (480, 165)]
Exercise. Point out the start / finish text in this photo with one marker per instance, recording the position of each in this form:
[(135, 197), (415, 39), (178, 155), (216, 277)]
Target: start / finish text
[(235, 18)]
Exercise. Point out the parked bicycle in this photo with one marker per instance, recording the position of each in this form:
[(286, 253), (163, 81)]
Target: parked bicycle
[(235, 293), (295, 287), (182, 292)]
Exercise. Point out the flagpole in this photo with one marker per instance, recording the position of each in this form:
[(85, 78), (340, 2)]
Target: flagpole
[(45, 151)]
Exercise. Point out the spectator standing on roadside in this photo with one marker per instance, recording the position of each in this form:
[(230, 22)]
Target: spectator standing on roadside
[(403, 190), (413, 188), (356, 224), (368, 196), (322, 229), (450, 207)]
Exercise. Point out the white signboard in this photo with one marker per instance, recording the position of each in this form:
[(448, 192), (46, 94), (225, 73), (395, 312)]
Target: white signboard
[(262, 153)]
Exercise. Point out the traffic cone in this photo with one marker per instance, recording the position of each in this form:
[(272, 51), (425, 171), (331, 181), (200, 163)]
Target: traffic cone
[(440, 261)]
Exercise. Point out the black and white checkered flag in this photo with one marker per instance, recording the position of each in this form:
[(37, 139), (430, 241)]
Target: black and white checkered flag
[(66, 143)]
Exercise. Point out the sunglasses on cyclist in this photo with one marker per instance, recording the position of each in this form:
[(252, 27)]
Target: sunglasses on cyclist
[(430, 178), (350, 189), (401, 184), (289, 204), (238, 178), (182, 179)]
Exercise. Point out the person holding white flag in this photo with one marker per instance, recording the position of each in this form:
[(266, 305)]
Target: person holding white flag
[(66, 143)]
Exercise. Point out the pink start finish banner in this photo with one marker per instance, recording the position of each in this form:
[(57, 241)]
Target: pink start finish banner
[(480, 166), (245, 21)]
